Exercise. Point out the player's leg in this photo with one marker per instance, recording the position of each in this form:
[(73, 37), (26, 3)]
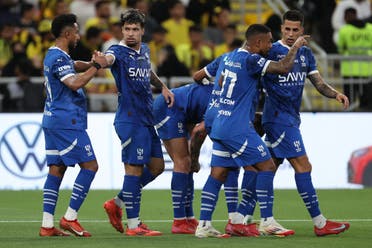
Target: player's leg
[(178, 150), (305, 188), (242, 221), (265, 197), (231, 189), (191, 220), (80, 152), (50, 198), (211, 190)]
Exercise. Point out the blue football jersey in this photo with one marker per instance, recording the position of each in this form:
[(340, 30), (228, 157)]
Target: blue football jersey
[(214, 69), (64, 108), (242, 73), (132, 70), (193, 100), (284, 92)]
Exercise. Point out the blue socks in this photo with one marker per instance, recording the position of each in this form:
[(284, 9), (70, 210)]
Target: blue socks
[(81, 188), (179, 189), (131, 195), (249, 196), (50, 193), (231, 190), (265, 192), (307, 191), (190, 196), (209, 198)]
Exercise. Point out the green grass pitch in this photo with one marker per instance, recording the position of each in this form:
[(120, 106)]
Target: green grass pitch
[(20, 218)]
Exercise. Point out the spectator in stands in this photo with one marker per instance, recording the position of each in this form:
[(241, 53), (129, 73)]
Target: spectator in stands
[(274, 22), (50, 9), (157, 43), (201, 12), (355, 38), (195, 54), (159, 10), (7, 31), (89, 10), (27, 19), (88, 44), (229, 34), (214, 34), (363, 8), (21, 68), (169, 65), (116, 36), (150, 22), (36, 50), (102, 18), (177, 25)]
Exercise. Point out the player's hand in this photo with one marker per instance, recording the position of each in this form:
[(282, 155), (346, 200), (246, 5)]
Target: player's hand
[(199, 129), (168, 96), (195, 166), (301, 41), (343, 99), (99, 58)]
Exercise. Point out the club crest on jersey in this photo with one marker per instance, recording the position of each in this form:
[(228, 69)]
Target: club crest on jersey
[(180, 127), (140, 153), (302, 58), (297, 144), (262, 150), (88, 149)]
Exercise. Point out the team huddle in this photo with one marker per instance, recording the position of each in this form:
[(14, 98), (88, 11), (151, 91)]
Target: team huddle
[(223, 108)]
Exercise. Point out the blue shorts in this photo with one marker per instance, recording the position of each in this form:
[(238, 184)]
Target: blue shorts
[(67, 147), (241, 151), (284, 141), (138, 143), (170, 122)]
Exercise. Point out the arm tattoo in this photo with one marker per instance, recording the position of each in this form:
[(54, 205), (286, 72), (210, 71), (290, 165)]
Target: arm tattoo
[(323, 88), (155, 81)]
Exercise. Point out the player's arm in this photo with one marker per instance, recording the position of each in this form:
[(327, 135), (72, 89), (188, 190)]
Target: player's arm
[(168, 95), (197, 138), (78, 81), (284, 65), (327, 90), (201, 77)]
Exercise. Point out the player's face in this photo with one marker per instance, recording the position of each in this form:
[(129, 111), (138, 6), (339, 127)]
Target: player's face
[(72, 35), (265, 43), (132, 34), (291, 30)]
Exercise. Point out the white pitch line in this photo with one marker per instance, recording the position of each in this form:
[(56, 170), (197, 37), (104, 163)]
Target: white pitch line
[(169, 221)]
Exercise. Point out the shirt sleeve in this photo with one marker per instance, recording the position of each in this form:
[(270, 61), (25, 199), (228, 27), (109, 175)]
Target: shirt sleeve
[(63, 68)]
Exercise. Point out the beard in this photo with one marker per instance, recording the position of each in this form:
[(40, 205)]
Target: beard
[(71, 46)]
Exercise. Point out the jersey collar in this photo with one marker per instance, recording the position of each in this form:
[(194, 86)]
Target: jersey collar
[(121, 43)]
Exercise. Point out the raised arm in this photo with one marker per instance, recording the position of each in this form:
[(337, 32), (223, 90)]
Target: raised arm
[(327, 90), (284, 65), (78, 81)]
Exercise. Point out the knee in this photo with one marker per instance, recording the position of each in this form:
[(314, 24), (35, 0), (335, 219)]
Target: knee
[(157, 169), (182, 165)]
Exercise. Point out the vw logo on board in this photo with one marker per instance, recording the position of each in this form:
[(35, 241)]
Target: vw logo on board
[(22, 150)]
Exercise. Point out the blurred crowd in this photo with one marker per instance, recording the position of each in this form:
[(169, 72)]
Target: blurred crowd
[(183, 36)]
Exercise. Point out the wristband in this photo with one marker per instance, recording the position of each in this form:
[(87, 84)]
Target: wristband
[(96, 65)]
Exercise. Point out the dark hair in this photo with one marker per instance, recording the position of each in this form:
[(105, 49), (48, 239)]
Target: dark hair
[(196, 29), (62, 21), (26, 7), (98, 4), (294, 15), (93, 32), (236, 43), (256, 29), (133, 16)]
